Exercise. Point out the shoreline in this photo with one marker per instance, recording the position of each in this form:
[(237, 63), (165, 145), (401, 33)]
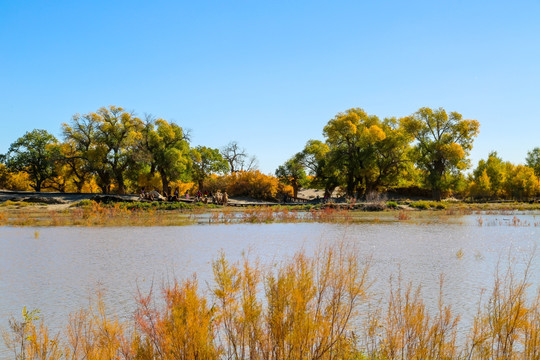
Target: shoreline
[(61, 209)]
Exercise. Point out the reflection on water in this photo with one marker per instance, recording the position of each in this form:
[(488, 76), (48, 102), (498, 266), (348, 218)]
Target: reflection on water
[(57, 269)]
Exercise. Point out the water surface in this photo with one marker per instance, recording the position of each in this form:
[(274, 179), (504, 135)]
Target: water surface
[(58, 269)]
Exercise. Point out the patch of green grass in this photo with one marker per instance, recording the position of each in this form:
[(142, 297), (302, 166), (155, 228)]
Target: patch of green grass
[(425, 205), (84, 203), (391, 204), (17, 204), (140, 205), (155, 205)]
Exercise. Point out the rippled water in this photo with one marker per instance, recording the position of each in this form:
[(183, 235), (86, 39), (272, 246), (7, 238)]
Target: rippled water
[(56, 270)]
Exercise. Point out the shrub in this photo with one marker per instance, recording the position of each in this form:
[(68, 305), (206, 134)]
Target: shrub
[(303, 308), (253, 184), (424, 205), (85, 203)]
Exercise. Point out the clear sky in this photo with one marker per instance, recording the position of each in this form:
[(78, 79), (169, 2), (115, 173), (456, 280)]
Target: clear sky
[(270, 74)]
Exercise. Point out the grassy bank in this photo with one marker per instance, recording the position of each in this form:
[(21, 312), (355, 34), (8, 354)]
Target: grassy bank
[(91, 213), (316, 307)]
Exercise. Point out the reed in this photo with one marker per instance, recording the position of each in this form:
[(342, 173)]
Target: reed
[(308, 307)]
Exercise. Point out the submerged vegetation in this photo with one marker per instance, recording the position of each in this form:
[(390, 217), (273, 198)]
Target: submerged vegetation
[(308, 307)]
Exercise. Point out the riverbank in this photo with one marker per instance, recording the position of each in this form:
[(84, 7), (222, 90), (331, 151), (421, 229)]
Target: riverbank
[(59, 209)]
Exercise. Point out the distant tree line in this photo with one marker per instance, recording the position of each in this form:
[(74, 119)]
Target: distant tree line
[(113, 150), (116, 151), (429, 149)]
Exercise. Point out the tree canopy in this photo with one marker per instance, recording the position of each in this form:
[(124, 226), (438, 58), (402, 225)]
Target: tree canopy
[(292, 173), (533, 160), (167, 147), (34, 153), (443, 142), (113, 150), (205, 161)]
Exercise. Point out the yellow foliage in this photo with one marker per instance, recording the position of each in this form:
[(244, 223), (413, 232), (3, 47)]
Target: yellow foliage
[(481, 188), (14, 180), (304, 308), (252, 184), (182, 187), (184, 329), (521, 183), (454, 152), (91, 187), (149, 182), (374, 134), (93, 335)]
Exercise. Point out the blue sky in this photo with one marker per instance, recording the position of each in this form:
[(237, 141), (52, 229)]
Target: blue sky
[(270, 74)]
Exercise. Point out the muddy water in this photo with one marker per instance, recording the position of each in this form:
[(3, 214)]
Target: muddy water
[(57, 270)]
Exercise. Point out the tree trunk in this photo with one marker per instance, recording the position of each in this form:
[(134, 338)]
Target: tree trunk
[(350, 184), (164, 182), (79, 185), (121, 186), (437, 194), (104, 181)]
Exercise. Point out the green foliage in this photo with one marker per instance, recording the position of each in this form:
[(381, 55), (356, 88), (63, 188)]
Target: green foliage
[(139, 205), (107, 141), (533, 160), (521, 182), (79, 151), (425, 205), (362, 154), (206, 161), (118, 134), (292, 173), (443, 143), (391, 204), (315, 158), (155, 205), (352, 137), (494, 178), (488, 177), (167, 148), (85, 203), (35, 153)]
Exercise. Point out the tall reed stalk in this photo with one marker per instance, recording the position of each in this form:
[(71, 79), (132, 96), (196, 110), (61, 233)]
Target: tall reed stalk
[(309, 307)]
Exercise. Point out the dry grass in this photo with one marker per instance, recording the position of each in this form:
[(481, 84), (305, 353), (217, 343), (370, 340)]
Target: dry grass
[(304, 308), (403, 215), (91, 213)]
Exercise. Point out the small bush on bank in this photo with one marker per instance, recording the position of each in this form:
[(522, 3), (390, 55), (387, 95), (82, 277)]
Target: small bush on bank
[(85, 203), (253, 184), (155, 205), (425, 205)]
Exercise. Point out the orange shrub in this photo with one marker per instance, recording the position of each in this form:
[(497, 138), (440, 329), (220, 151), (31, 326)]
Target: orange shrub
[(149, 182), (253, 184), (182, 187), (14, 180), (215, 183)]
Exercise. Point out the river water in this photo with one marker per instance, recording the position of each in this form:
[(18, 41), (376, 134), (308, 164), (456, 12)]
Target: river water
[(58, 269)]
